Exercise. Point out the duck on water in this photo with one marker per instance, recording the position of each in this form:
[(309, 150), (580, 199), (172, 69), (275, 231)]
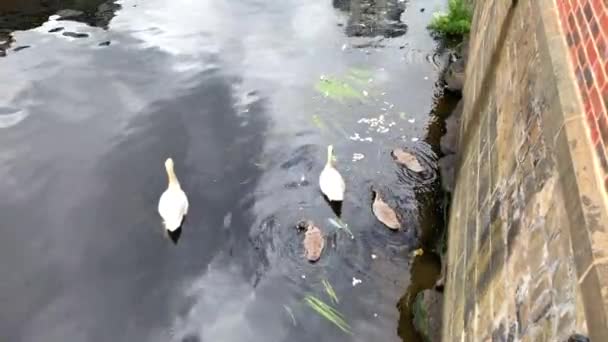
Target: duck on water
[(173, 203)]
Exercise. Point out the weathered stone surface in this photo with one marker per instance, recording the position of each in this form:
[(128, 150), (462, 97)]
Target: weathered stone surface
[(449, 141), (427, 314), (447, 166), (454, 75), (527, 232)]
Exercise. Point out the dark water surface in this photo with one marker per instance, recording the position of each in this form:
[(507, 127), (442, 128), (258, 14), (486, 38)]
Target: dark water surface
[(94, 99)]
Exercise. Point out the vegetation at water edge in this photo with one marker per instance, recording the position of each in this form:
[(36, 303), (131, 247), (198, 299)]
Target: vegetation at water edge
[(456, 22)]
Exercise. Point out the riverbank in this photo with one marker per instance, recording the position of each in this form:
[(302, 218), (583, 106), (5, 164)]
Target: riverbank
[(426, 305)]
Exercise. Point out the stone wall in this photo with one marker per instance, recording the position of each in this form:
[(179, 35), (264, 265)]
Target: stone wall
[(528, 235)]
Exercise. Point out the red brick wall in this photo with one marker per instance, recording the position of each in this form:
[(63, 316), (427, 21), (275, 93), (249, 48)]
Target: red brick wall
[(585, 23)]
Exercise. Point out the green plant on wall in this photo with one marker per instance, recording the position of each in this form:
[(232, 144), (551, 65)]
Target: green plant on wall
[(456, 22)]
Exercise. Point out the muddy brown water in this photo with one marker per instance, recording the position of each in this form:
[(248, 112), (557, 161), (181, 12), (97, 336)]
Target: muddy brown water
[(95, 95)]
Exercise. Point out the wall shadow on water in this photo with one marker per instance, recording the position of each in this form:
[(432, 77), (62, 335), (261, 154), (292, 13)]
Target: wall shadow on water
[(371, 18), (21, 15), (434, 205)]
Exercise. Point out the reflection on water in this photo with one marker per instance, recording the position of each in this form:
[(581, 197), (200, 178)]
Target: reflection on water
[(106, 91), (28, 14), (370, 18)]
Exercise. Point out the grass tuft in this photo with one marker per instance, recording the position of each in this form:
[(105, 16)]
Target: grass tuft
[(328, 312), (456, 22)]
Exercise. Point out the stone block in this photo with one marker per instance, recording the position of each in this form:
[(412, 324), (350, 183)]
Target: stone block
[(532, 220)]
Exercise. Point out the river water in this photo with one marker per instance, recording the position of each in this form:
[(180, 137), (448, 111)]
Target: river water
[(244, 96)]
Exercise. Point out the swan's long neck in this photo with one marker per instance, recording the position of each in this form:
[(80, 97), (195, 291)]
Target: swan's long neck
[(172, 177), (330, 153)]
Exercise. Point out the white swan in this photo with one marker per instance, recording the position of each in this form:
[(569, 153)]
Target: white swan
[(173, 203), (331, 182)]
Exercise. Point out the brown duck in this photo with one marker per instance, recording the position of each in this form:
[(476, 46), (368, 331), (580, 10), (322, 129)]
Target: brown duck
[(314, 242), (384, 213)]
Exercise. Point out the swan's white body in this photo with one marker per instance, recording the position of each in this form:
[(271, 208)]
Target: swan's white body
[(173, 203), (331, 181)]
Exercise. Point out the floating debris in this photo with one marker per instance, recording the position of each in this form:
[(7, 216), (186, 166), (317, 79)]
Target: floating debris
[(336, 89), (290, 313), (303, 276), (375, 314), (356, 281), (106, 43), (384, 213), (408, 159), (411, 120), (374, 256), (357, 137), (341, 225), (418, 252), (415, 139), (330, 291), (364, 92), (56, 29), (426, 78), (360, 73), (328, 312), (377, 124), (344, 46), (358, 156)]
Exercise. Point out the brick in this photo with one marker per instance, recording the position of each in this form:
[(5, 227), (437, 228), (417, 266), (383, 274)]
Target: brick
[(591, 53), (598, 74), (601, 155), (588, 76), (596, 102), (597, 7), (605, 96), (566, 6), (580, 54), (588, 11), (582, 25), (594, 28), (602, 47), (581, 80), (604, 23), (571, 23)]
